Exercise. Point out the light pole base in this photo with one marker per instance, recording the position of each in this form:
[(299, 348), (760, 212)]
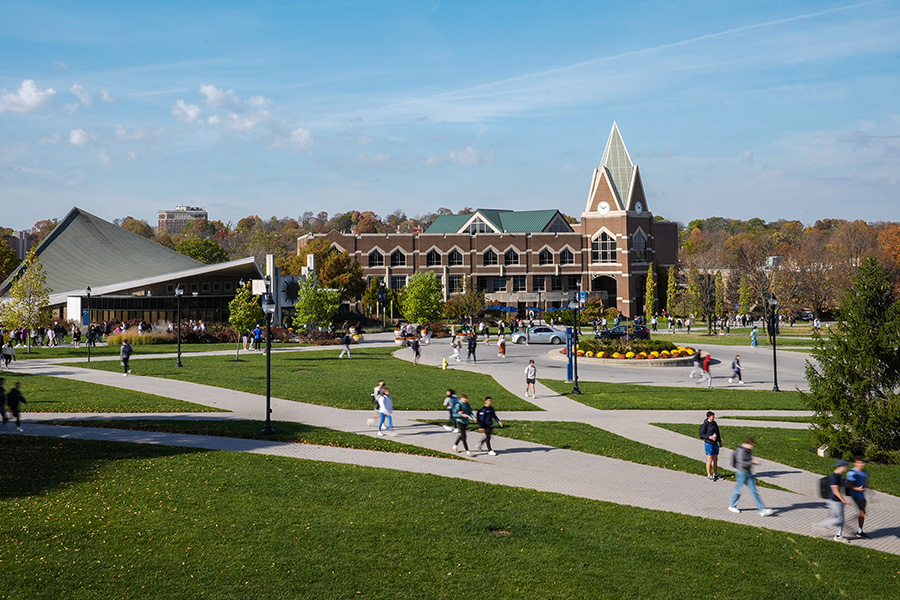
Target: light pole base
[(178, 364), (268, 429), (576, 391), (775, 388)]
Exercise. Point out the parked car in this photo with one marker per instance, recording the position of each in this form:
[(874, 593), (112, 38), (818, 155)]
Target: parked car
[(629, 332), (540, 335)]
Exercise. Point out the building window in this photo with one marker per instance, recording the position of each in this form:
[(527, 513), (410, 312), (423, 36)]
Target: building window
[(518, 283), (482, 283), (603, 249), (538, 281), (639, 249), (490, 258), (454, 284), (454, 258), (556, 284), (499, 284), (566, 257), (639, 242), (217, 286), (574, 280), (478, 226), (545, 257), (510, 257), (227, 286), (206, 287), (397, 282), (432, 259), (376, 259), (398, 259)]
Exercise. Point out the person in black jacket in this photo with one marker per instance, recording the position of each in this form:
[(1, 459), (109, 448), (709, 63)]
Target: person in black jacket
[(3, 401), (13, 399), (472, 346), (486, 418), (709, 432)]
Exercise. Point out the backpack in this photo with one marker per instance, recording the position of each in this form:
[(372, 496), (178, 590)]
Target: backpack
[(825, 487)]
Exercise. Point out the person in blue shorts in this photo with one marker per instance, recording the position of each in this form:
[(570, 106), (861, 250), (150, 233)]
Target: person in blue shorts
[(709, 433)]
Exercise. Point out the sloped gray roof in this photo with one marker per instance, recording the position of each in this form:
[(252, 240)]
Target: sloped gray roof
[(84, 250), (618, 162)]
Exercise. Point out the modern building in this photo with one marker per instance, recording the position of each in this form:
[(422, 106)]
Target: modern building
[(528, 258), (174, 221), (19, 241)]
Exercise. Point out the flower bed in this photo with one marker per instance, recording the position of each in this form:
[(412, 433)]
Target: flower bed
[(675, 352)]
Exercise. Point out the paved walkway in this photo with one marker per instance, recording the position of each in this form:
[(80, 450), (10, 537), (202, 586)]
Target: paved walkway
[(519, 464)]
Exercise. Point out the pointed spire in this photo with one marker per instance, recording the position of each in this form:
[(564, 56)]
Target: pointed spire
[(617, 161)]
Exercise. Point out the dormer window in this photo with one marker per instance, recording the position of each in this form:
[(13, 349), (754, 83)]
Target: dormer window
[(478, 226)]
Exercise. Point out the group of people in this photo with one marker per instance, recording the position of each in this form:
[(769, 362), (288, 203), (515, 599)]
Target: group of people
[(702, 366), (837, 491), (14, 399), (462, 414)]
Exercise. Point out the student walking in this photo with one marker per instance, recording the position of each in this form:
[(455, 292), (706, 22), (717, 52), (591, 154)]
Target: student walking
[(836, 501), (385, 407), (125, 355), (754, 342), (486, 419), (501, 346), (697, 362), (463, 415), (417, 352), (472, 346), (857, 484), (743, 462), (450, 402), (13, 399), (530, 378), (709, 433), (9, 353), (736, 368), (456, 344), (3, 401), (706, 376), (345, 342), (375, 393)]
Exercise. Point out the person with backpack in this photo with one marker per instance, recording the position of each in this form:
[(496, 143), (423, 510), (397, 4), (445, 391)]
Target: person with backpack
[(737, 368), (463, 415), (709, 433), (345, 342), (831, 487), (742, 460), (486, 418), (450, 402), (124, 355)]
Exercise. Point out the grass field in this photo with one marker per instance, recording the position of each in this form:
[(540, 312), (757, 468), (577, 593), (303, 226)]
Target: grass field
[(100, 520), (52, 394), (70, 352), (320, 377), (794, 447), (616, 396), (285, 431)]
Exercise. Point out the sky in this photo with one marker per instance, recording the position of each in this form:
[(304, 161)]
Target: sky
[(769, 109)]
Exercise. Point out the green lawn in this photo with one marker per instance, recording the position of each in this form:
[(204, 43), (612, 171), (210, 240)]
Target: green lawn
[(794, 447), (285, 431), (731, 339), (768, 418), (91, 520), (615, 396), (53, 394), (69, 352), (320, 377)]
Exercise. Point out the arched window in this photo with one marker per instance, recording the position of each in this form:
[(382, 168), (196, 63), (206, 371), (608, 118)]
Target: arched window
[(478, 226), (433, 258), (454, 258), (510, 257), (566, 257), (545, 257), (376, 259), (398, 259), (490, 258), (603, 249)]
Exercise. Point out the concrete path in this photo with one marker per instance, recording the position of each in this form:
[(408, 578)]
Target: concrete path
[(519, 464)]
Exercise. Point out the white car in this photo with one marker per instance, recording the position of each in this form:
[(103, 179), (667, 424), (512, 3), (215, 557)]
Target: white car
[(540, 335)]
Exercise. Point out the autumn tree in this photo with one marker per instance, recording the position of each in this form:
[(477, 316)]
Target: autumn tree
[(26, 302), (720, 294), (206, 251), (9, 260), (469, 303), (138, 226)]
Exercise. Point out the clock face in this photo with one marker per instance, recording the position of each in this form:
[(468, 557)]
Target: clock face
[(603, 208), (639, 207)]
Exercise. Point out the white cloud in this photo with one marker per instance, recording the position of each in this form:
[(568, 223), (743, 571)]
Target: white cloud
[(47, 141), (747, 158), (301, 137), (259, 102), (214, 95), (123, 134), (470, 157), (78, 137), (106, 97), (104, 158), (237, 122), (214, 120), (82, 94), (27, 98), (376, 159), (189, 113), (71, 107)]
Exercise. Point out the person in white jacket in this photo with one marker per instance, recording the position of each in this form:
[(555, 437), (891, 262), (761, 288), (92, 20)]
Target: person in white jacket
[(385, 407)]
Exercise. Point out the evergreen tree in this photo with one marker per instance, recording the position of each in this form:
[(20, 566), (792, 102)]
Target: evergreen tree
[(27, 301), (650, 293), (672, 292), (244, 313), (853, 388), (422, 299), (745, 295)]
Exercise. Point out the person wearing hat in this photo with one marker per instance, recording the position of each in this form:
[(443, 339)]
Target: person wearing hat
[(836, 501)]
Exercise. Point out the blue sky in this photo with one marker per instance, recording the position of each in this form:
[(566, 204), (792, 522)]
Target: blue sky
[(737, 109)]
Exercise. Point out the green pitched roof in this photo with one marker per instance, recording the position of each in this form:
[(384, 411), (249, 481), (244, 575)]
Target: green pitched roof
[(510, 221)]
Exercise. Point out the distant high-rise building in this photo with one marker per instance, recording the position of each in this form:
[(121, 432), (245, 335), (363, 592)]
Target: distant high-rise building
[(174, 221)]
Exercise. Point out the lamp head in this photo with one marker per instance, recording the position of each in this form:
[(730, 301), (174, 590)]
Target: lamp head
[(179, 290), (88, 290), (268, 303)]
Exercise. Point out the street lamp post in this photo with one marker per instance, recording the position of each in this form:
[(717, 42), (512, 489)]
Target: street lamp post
[(269, 308), (576, 306), (179, 292), (90, 328), (773, 327), (382, 295)]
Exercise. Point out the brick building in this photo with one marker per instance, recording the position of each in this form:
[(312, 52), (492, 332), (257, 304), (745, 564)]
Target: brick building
[(535, 258)]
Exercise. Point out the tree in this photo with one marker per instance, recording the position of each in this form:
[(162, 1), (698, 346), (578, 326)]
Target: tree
[(333, 269), (720, 294), (650, 295), (422, 300), (470, 302), (140, 227), (745, 295), (244, 313), (316, 305), (28, 297), (672, 291), (853, 389), (9, 260), (205, 250)]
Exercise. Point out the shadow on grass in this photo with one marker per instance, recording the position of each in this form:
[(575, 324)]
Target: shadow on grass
[(34, 465)]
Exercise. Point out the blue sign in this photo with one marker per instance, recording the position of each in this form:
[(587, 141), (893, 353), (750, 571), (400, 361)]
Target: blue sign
[(583, 296), (85, 317)]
